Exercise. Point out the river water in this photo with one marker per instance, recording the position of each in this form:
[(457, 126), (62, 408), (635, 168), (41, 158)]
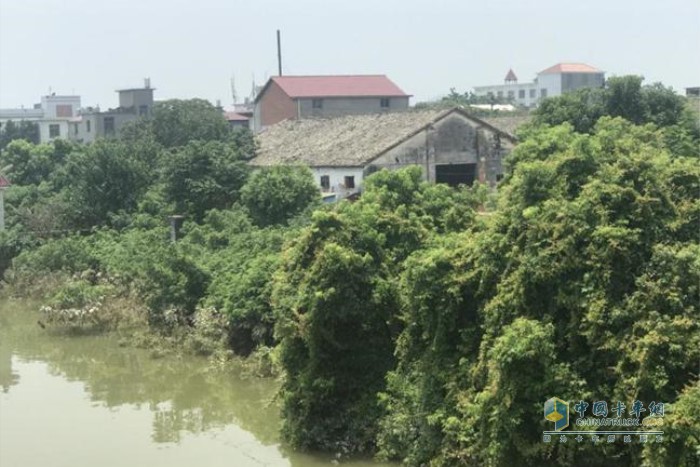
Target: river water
[(87, 402)]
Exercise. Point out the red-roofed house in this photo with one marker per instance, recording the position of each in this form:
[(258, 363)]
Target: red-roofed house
[(553, 81), (295, 97)]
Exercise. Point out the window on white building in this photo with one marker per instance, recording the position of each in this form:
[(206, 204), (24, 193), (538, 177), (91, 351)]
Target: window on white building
[(521, 94), (543, 93), (87, 126), (325, 182), (384, 102), (533, 93), (109, 125), (54, 130), (349, 181)]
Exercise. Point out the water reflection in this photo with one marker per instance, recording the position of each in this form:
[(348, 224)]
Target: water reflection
[(85, 384)]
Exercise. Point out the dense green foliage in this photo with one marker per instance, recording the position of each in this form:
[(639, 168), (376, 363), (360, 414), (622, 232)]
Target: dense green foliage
[(337, 305), (420, 323), (276, 194), (24, 130), (626, 97)]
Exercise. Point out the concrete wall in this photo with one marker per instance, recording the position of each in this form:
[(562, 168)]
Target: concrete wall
[(82, 134), (45, 129), (49, 105), (453, 140), (573, 81), (337, 179), (135, 98), (339, 106), (551, 82), (504, 90)]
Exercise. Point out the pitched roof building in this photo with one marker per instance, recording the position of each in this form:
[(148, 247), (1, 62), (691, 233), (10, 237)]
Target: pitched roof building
[(296, 97), (451, 146)]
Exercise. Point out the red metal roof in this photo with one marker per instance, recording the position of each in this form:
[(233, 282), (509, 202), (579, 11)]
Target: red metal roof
[(338, 86), (4, 183), (235, 117), (571, 68), (511, 76)]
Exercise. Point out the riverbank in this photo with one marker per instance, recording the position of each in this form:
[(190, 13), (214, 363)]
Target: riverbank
[(175, 410)]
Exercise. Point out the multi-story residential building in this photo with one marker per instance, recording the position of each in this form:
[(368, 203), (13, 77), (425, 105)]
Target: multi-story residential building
[(297, 97), (553, 81), (92, 123), (53, 115)]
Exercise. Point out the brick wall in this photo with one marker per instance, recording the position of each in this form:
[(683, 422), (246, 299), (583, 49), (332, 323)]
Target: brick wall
[(276, 106)]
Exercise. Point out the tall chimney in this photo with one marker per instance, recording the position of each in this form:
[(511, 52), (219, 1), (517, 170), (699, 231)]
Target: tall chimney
[(279, 53), (147, 83)]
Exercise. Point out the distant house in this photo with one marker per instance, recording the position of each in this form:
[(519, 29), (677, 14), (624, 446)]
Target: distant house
[(134, 103), (450, 146), (237, 120), (553, 81), (296, 97), (693, 92), (52, 115)]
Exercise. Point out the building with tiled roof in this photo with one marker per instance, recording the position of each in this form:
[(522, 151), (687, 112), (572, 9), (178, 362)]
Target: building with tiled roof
[(553, 81), (296, 97), (450, 146)]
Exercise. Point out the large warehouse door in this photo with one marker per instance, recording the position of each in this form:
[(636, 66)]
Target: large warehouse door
[(455, 174)]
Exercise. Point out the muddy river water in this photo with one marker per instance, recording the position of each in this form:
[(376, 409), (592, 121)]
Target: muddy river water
[(87, 402)]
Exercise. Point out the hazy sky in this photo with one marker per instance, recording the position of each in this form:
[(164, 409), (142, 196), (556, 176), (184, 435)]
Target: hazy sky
[(192, 48)]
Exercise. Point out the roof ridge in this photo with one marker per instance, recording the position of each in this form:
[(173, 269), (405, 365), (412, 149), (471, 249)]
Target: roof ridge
[(326, 76)]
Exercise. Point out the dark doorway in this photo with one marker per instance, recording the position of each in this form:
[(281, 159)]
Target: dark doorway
[(456, 174)]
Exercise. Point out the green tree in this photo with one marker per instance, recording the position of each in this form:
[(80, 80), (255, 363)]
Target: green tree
[(203, 175), (102, 180), (25, 130), (33, 163), (177, 122), (274, 195)]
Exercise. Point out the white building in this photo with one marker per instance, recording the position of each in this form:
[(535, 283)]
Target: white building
[(52, 114), (554, 81)]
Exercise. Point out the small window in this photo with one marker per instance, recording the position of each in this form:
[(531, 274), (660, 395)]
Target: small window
[(54, 130), (533, 93), (87, 126), (511, 94), (325, 182), (143, 110), (349, 181), (521, 94), (543, 93), (500, 94), (109, 125), (317, 103), (489, 94), (384, 102), (75, 128), (499, 177)]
